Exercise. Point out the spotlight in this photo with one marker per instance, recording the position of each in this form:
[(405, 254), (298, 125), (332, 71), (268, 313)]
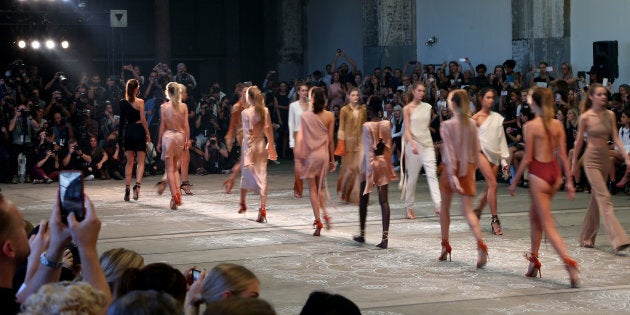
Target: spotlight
[(50, 44), (35, 44), (65, 44), (21, 44), (432, 41)]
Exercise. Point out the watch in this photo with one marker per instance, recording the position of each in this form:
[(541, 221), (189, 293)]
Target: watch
[(48, 263)]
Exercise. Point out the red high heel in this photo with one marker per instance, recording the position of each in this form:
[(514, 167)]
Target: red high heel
[(574, 270), (482, 254), (534, 266), (242, 208), (318, 227), (228, 183), (262, 215), (176, 200), (446, 251)]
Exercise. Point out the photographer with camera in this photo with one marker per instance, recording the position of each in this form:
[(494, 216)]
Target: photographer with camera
[(59, 82), (74, 158), (22, 126), (185, 78), (56, 105), (47, 167), (217, 156)]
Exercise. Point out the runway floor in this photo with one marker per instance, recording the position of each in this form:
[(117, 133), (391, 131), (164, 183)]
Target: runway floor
[(406, 278)]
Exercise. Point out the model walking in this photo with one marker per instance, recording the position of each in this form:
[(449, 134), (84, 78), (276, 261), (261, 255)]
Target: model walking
[(258, 146), (599, 124), (314, 153), (545, 144), (173, 139), (351, 118), (417, 150), (295, 112), (376, 168), (494, 151), (234, 135), (460, 147), (133, 135)]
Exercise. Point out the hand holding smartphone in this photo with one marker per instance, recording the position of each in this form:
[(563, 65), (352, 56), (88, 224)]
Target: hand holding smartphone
[(71, 196), (195, 274)]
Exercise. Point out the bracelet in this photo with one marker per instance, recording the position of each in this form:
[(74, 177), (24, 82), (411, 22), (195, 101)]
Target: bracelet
[(48, 263)]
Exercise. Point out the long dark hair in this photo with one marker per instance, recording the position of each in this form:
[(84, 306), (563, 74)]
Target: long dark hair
[(319, 99), (132, 85)]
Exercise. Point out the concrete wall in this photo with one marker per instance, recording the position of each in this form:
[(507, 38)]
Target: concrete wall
[(480, 29), (593, 21), (331, 25)]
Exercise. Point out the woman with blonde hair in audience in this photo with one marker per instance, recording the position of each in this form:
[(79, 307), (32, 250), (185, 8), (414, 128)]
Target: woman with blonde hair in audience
[(65, 297), (258, 146), (599, 124), (544, 146), (115, 261), (460, 155), (173, 139), (226, 280), (349, 146)]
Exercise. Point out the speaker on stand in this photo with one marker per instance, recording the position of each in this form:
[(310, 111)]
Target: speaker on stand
[(605, 58)]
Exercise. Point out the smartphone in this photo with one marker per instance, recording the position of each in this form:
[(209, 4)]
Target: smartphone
[(549, 69), (605, 82), (195, 274), (462, 59), (504, 93), (338, 50), (71, 195), (558, 97)]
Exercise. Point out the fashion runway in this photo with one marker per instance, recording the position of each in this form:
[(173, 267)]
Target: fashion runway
[(406, 278)]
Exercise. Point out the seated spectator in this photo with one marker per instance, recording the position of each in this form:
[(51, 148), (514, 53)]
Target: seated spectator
[(216, 155), (74, 158), (116, 159), (115, 261), (47, 166), (157, 276), (224, 281), (240, 306), (149, 302), (96, 157), (197, 157), (322, 303), (65, 297)]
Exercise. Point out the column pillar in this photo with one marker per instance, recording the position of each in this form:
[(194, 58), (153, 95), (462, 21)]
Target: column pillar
[(390, 35), (290, 52), (162, 35), (540, 32)]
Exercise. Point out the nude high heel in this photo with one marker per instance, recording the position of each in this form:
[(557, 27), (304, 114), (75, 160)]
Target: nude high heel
[(482, 254), (228, 183), (574, 270)]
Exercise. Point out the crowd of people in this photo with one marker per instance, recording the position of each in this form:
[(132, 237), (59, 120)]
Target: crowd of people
[(440, 119)]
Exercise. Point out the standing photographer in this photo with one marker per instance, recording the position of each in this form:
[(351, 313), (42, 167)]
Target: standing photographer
[(56, 105), (185, 78), (22, 127), (216, 155)]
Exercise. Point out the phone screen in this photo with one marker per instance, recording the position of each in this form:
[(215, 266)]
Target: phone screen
[(71, 195), (195, 274)]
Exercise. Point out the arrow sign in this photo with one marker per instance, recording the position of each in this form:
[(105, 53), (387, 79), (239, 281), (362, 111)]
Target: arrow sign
[(118, 18)]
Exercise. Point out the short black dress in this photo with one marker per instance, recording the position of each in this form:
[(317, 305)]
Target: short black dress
[(131, 135)]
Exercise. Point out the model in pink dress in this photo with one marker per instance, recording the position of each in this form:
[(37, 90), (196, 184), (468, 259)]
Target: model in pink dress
[(173, 139), (314, 153), (258, 146), (376, 168)]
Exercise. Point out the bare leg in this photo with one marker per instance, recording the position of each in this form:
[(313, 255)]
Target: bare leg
[(489, 172), (129, 166), (185, 165), (314, 196)]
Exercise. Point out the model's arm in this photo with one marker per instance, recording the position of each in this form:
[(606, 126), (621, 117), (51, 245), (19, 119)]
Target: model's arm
[(331, 142), (407, 131), (579, 142), (162, 128), (143, 119), (271, 148), (562, 155), (293, 124)]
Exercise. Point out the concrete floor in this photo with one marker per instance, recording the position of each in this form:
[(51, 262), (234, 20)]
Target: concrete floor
[(407, 278)]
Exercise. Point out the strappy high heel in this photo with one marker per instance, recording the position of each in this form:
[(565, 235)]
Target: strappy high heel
[(262, 215), (186, 188), (176, 201), (446, 251), (318, 227), (534, 266), (228, 183), (359, 238), (495, 224), (136, 191), (160, 187), (127, 192), (410, 214), (384, 240), (574, 270), (482, 254), (243, 207)]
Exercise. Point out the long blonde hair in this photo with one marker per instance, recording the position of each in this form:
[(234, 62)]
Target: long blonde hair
[(461, 100), (174, 94), (255, 96), (226, 277), (543, 97)]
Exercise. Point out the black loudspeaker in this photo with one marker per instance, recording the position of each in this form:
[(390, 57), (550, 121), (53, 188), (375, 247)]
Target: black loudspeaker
[(605, 58)]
